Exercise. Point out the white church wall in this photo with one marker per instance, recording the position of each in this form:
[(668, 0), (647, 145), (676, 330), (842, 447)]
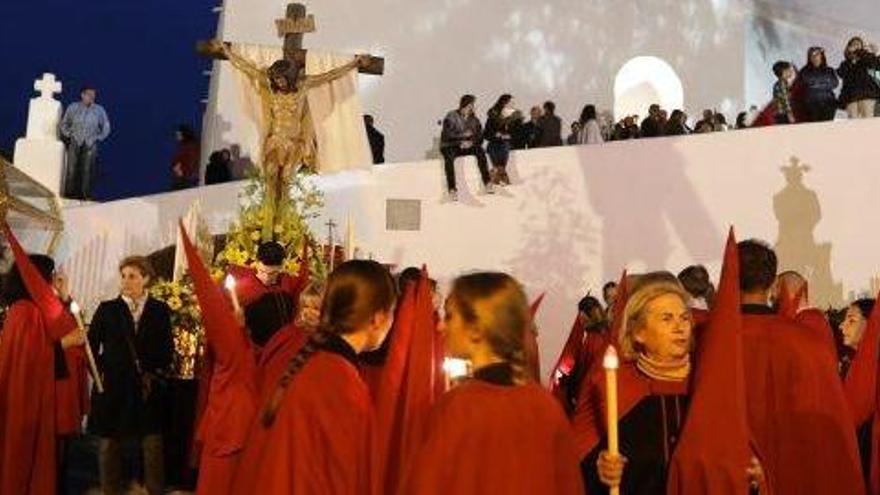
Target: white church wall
[(567, 51), (575, 217)]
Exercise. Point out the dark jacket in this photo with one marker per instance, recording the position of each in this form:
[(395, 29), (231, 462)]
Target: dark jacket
[(525, 135), (549, 131), (857, 83), (496, 124), (122, 409), (217, 172), (652, 127), (819, 84), (458, 128)]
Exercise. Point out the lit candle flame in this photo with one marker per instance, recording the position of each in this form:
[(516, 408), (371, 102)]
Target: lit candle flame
[(230, 283), (455, 368), (611, 361), (74, 308)]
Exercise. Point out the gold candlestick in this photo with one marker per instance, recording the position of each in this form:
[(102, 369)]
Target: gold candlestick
[(93, 366)]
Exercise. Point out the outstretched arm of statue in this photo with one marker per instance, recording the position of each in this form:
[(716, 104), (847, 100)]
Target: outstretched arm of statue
[(334, 74), (248, 68)]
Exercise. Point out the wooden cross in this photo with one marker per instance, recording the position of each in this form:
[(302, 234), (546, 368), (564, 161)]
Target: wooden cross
[(292, 28)]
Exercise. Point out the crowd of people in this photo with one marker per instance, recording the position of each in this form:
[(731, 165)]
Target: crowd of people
[(808, 94), (337, 387)]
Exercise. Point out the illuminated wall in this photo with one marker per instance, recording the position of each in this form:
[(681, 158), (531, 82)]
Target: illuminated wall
[(567, 50)]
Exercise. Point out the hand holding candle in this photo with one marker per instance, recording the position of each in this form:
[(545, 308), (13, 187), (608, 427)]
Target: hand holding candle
[(455, 369), (611, 362), (93, 366)]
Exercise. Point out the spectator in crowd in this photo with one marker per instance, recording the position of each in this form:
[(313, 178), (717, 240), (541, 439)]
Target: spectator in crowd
[(677, 125), (549, 127), (704, 127), (653, 126), (590, 131), (860, 90), (376, 139), (626, 128), (819, 82), (131, 337), (741, 120), (695, 280), (501, 121), (462, 135), (84, 125), (785, 75), (609, 294), (707, 120), (572, 138), (219, 169), (720, 122), (185, 165), (526, 135)]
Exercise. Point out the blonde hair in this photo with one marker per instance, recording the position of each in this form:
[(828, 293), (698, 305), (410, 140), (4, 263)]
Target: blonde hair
[(648, 288), (495, 304)]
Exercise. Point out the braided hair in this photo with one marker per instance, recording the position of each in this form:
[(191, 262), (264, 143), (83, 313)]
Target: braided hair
[(356, 291), (495, 304)]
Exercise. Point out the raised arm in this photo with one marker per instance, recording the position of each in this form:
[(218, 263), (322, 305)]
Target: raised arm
[(333, 74), (248, 68)]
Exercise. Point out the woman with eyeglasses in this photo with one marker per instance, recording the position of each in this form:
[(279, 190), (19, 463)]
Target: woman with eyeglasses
[(819, 82)]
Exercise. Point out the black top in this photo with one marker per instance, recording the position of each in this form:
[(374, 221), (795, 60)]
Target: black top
[(757, 309), (123, 409), (857, 82), (496, 374), (648, 435), (549, 132)]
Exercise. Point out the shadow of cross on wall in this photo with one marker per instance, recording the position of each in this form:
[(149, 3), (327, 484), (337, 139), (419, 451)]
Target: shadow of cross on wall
[(798, 212)]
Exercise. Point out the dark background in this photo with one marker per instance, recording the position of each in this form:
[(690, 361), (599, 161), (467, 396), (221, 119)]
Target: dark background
[(140, 56)]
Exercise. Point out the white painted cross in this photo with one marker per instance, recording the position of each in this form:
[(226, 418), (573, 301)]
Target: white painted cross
[(47, 86)]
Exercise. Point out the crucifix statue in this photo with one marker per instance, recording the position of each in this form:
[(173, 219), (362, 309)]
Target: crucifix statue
[(289, 137)]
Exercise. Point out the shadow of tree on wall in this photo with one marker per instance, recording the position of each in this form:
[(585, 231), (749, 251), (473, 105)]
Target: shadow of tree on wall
[(798, 211), (558, 240)]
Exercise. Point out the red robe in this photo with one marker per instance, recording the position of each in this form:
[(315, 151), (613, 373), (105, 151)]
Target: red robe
[(27, 403), (797, 412), (36, 408), (581, 351), (231, 396), (319, 441), (709, 459), (249, 288), (485, 438)]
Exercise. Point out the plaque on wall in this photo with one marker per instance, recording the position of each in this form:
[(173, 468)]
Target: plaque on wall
[(403, 214)]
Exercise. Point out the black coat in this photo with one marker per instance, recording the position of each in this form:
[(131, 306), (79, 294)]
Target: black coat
[(857, 83), (122, 409), (549, 131), (819, 84)]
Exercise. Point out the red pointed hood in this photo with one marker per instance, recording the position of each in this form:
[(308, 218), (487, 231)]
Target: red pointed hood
[(530, 342), (618, 307), (406, 388), (217, 314), (58, 321), (709, 458)]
